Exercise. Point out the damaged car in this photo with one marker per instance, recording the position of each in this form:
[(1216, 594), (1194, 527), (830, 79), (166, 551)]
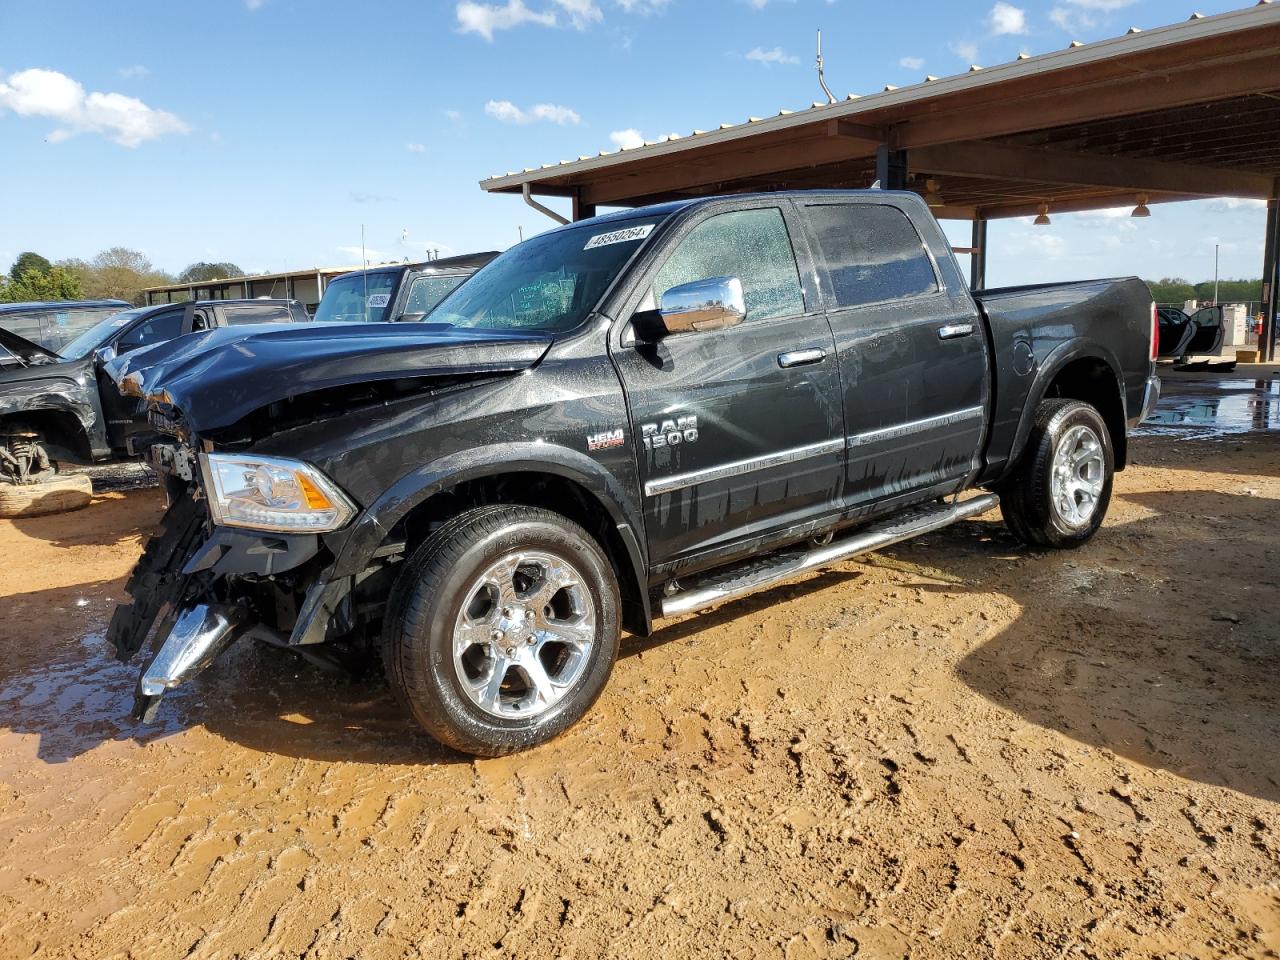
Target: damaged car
[(53, 324), (64, 406), (635, 416)]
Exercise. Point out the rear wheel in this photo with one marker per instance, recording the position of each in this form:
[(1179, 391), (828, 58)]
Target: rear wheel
[(1059, 492), (502, 629)]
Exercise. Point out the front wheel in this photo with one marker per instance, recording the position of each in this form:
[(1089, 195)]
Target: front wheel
[(502, 629), (1058, 494)]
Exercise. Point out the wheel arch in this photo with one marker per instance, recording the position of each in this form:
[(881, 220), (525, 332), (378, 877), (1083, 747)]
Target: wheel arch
[(558, 479), (63, 435), (1078, 370)]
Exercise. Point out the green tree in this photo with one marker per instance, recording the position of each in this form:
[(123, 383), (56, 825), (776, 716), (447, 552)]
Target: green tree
[(201, 272), (1231, 291), (1171, 290), (28, 262), (52, 284), (117, 273)]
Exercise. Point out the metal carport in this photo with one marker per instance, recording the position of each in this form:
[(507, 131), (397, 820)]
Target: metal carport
[(1182, 112)]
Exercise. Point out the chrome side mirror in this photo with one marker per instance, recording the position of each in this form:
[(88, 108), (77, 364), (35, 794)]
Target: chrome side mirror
[(711, 304)]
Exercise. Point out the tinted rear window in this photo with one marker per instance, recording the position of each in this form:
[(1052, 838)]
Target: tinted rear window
[(873, 253)]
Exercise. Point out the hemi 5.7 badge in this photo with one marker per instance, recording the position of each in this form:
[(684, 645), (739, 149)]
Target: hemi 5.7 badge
[(604, 441)]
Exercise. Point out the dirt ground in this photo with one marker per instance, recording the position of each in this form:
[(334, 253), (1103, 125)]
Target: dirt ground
[(951, 748)]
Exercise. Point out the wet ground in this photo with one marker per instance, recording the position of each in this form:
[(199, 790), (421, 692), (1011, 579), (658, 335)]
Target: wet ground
[(1207, 405), (952, 748)]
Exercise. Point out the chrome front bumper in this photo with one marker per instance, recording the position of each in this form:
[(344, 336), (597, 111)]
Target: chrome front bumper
[(198, 635)]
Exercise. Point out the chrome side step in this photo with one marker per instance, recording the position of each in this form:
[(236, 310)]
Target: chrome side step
[(746, 578)]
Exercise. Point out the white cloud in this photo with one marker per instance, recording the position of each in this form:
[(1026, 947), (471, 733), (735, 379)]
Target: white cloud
[(965, 50), (484, 18), (47, 93), (1083, 14), (643, 7), (416, 147), (627, 139), (769, 57), (911, 63), (581, 12), (508, 112), (1005, 18), (1237, 203), (631, 138), (453, 115), (135, 72), (488, 18), (370, 255), (254, 4)]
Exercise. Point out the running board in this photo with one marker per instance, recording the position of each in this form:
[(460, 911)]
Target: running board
[(751, 576)]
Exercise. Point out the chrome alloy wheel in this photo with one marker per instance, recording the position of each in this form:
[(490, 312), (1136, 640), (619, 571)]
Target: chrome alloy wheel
[(1079, 474), (524, 634)]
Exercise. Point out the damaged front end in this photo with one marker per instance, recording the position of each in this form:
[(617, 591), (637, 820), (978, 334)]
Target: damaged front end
[(203, 582)]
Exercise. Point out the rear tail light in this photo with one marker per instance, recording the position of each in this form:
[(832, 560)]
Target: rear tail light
[(1155, 330)]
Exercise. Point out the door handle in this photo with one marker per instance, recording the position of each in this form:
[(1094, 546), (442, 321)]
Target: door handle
[(951, 331), (798, 358)]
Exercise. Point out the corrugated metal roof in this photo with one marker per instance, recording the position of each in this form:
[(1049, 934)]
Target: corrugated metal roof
[(1077, 54)]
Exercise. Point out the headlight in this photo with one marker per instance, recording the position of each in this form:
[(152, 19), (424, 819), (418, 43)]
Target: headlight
[(271, 493)]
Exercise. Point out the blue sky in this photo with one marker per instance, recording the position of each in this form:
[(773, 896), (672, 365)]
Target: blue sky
[(266, 132)]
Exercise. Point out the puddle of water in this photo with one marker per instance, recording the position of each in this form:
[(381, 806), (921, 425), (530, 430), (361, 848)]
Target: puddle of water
[(1199, 410)]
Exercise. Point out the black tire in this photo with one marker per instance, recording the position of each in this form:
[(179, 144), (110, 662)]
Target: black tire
[(427, 600), (1026, 497)]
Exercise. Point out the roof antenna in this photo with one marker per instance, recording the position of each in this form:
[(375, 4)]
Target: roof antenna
[(821, 81)]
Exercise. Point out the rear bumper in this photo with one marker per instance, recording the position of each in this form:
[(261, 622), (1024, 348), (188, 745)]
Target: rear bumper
[(1150, 397)]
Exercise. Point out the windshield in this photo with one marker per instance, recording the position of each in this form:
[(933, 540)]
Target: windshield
[(357, 298), (547, 283), (54, 328), (99, 333)]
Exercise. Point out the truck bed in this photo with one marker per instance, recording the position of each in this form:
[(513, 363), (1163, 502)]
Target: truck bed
[(1034, 327)]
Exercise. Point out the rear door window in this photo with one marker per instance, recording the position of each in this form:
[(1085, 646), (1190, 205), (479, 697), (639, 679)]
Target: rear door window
[(426, 292), (872, 253), (752, 245)]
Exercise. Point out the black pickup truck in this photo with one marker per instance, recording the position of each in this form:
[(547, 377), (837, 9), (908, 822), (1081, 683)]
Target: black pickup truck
[(63, 400), (633, 416)]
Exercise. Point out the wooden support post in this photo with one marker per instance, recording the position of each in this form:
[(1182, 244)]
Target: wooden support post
[(1270, 279), (581, 209), (978, 260), (891, 168)]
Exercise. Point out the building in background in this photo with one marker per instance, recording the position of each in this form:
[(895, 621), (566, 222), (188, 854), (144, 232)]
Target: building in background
[(306, 286)]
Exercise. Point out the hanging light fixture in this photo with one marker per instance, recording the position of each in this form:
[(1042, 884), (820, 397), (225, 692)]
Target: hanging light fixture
[(1141, 210), (1043, 219), (933, 193)]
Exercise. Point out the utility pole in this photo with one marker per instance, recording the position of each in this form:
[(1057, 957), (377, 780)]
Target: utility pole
[(1215, 274)]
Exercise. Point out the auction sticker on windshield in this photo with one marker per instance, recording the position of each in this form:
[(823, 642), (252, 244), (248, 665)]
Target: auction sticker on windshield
[(619, 236), (379, 299)]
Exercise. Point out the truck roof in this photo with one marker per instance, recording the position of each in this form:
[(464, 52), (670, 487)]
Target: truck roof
[(34, 304), (675, 206), (467, 262)]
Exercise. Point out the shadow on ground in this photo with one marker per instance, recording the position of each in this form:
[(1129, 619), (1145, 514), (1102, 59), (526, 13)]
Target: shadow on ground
[(1144, 658)]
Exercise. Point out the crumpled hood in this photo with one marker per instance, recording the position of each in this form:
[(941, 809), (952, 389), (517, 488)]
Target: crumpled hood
[(216, 377)]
